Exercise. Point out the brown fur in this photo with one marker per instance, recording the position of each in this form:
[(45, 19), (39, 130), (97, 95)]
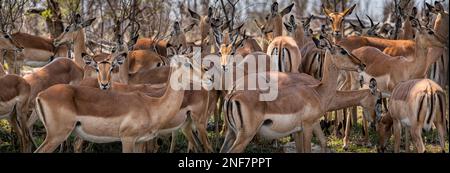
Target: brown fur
[(417, 109), (17, 90), (149, 44)]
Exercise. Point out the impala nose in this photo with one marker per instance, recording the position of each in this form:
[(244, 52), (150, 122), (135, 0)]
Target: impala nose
[(104, 86)]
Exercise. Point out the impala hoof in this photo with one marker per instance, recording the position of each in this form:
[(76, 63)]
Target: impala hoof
[(345, 148)]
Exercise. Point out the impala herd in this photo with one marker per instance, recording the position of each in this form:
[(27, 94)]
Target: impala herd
[(138, 92)]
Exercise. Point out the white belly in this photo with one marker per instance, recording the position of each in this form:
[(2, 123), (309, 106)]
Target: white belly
[(281, 126)]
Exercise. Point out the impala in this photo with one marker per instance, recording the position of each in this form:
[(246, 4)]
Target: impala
[(415, 104), (14, 107), (298, 107), (439, 70), (312, 57), (197, 107), (337, 21), (273, 24), (389, 71), (108, 119)]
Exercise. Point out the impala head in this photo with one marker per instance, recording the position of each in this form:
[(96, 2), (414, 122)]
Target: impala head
[(371, 31), (383, 127), (437, 8), (427, 37), (291, 25), (72, 31), (105, 67), (337, 19), (339, 56), (183, 59), (178, 36), (227, 43), (275, 18), (8, 43)]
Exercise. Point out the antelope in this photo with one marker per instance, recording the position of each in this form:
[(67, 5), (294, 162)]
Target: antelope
[(59, 71), (439, 69), (414, 104), (389, 71), (74, 33), (108, 120), (364, 30), (273, 25), (286, 54), (36, 51), (14, 107), (197, 107), (300, 105), (336, 19), (312, 57)]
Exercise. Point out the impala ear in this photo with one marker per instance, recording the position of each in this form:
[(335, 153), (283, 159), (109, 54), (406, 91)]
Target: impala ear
[(430, 7), (88, 60), (210, 12), (274, 8), (120, 59), (77, 18), (288, 27), (287, 10), (326, 10), (194, 14), (349, 11), (87, 22)]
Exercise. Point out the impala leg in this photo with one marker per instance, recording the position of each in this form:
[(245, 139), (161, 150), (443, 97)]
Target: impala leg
[(78, 145), (230, 137), (128, 145), (140, 147), (202, 133), (298, 138), (173, 142), (407, 142), (354, 112), (348, 129), (307, 132), (397, 135), (243, 138), (365, 129), (416, 133), (53, 139), (187, 131), (217, 115), (321, 136), (441, 130), (25, 138)]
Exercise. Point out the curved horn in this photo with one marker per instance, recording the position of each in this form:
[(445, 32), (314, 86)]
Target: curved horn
[(359, 21), (371, 21)]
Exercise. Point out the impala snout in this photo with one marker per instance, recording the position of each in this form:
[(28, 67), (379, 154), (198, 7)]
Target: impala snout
[(104, 86), (337, 33)]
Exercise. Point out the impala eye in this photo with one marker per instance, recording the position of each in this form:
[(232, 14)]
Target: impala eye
[(343, 52), (96, 70), (67, 29), (430, 32), (7, 36)]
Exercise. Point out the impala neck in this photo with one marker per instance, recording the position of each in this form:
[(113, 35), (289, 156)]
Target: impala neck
[(344, 99), (327, 88), (420, 62), (169, 104), (79, 47), (441, 24), (278, 27)]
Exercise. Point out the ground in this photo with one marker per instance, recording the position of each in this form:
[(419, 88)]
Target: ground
[(284, 145)]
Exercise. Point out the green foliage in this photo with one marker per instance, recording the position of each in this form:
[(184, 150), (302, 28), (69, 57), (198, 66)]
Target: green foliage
[(46, 13)]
